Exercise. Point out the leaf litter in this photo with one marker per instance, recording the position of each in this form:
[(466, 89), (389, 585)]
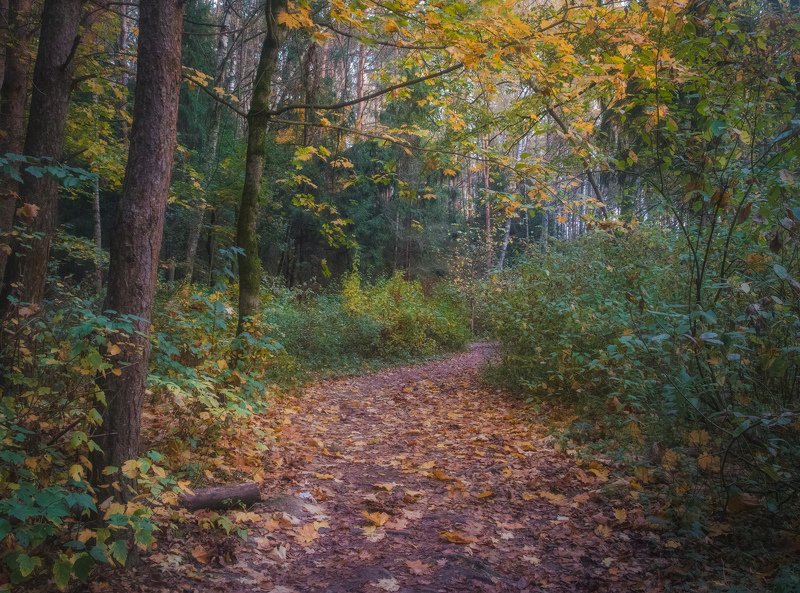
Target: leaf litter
[(421, 479)]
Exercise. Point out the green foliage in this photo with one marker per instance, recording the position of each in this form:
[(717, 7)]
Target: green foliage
[(599, 323), (387, 321), (566, 316), (51, 520)]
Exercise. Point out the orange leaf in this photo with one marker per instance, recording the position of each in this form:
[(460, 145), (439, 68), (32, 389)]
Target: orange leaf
[(377, 519), (454, 537), (306, 534)]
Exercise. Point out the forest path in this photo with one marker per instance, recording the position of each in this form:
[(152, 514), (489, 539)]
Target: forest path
[(422, 479)]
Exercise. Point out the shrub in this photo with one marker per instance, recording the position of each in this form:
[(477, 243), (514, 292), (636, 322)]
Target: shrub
[(599, 322)]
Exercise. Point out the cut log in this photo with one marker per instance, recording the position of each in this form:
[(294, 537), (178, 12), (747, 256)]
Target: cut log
[(222, 497)]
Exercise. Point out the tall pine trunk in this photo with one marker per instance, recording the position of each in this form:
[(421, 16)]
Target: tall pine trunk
[(257, 122), (139, 221), (13, 99), (26, 270)]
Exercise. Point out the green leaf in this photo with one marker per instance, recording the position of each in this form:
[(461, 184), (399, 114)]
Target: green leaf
[(119, 551), (27, 564), (62, 569), (82, 566), (718, 127)]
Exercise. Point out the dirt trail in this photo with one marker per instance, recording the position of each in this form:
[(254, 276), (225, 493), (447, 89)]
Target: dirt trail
[(421, 479)]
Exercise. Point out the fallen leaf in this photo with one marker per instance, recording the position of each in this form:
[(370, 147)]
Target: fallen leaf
[(306, 534), (398, 523), (454, 537), (389, 584), (201, 554), (377, 519), (388, 486), (440, 475), (412, 495), (418, 567), (603, 531), (278, 553), (373, 533)]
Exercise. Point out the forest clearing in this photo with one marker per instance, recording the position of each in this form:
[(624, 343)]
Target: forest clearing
[(400, 295)]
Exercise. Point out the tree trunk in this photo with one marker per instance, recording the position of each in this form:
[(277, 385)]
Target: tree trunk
[(5, 36), (506, 239), (210, 163), (257, 121), (13, 98), (139, 223), (98, 238), (52, 84)]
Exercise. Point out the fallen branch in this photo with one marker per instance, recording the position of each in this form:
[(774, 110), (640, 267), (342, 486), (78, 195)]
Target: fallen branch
[(222, 497)]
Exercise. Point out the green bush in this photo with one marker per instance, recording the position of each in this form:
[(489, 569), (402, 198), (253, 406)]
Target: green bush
[(388, 321), (600, 323)]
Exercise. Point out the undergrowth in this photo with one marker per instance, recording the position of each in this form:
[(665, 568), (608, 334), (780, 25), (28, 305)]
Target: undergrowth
[(697, 404), (202, 421)]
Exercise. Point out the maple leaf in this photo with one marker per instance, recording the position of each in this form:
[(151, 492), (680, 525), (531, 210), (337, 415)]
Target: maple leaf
[(397, 523), (201, 554), (28, 210), (388, 584), (412, 495), (278, 553), (440, 475), (454, 537), (377, 519), (603, 531), (372, 533), (418, 567), (387, 486), (306, 534)]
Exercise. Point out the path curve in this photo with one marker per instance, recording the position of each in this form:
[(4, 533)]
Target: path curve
[(422, 479)]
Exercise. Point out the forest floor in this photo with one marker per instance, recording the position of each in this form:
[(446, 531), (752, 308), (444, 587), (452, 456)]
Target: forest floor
[(421, 479)]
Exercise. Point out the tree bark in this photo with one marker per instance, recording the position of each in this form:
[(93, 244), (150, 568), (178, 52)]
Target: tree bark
[(26, 270), (98, 237), (139, 223), (13, 99), (5, 36), (257, 122)]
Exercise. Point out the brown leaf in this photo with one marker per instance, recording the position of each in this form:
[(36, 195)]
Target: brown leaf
[(201, 554), (744, 213), (412, 495), (742, 502), (387, 486), (28, 211), (440, 475), (603, 531), (418, 567), (776, 244)]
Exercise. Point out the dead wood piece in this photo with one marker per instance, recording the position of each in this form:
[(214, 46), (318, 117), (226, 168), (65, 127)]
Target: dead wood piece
[(222, 497)]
